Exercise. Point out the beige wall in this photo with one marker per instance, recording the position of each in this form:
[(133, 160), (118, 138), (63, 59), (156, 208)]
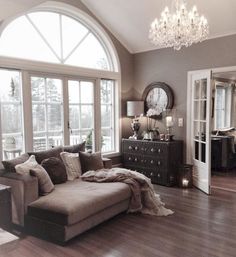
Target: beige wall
[(171, 67)]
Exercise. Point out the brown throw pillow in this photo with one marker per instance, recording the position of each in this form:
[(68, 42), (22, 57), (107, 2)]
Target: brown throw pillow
[(42, 155), (45, 183), (90, 161), (74, 148), (9, 165), (55, 169)]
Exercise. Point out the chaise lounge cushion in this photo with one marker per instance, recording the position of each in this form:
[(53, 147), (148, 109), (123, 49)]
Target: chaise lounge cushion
[(77, 200)]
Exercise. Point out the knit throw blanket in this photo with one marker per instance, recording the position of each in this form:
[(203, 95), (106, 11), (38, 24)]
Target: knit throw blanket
[(143, 197)]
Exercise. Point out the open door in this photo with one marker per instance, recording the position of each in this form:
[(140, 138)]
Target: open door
[(199, 128)]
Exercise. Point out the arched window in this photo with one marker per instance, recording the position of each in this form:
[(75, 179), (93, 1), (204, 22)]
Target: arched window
[(66, 65), (55, 38)]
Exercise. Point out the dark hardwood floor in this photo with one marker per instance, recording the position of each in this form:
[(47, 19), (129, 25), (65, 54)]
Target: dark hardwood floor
[(201, 226), (224, 180)]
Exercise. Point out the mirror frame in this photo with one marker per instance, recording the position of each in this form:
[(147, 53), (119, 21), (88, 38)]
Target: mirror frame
[(168, 91)]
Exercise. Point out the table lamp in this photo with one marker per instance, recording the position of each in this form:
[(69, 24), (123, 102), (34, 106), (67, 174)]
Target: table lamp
[(135, 109)]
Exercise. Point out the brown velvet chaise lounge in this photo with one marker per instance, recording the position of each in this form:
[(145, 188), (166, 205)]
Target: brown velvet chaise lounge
[(70, 209)]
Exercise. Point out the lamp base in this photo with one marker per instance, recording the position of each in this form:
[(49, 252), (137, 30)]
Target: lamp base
[(135, 126)]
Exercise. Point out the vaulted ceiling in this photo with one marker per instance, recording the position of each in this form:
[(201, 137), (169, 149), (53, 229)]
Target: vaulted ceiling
[(129, 20)]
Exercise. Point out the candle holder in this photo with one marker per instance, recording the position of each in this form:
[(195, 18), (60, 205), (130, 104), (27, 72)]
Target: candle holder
[(185, 176)]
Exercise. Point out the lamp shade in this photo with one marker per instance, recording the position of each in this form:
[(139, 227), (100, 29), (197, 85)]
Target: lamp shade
[(135, 108)]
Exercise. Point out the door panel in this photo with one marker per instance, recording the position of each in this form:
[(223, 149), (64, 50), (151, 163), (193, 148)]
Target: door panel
[(200, 129)]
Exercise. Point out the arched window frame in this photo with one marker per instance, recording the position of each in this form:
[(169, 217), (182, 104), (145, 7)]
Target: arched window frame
[(28, 67)]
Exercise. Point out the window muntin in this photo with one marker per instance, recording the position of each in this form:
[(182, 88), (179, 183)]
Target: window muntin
[(107, 115), (47, 114), (81, 112), (11, 113), (60, 38)]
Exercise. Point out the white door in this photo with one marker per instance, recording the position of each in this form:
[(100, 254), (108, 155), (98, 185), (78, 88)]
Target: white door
[(200, 128)]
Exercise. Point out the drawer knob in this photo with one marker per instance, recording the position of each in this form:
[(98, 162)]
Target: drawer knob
[(130, 147), (130, 159), (136, 148), (158, 163), (158, 175), (151, 161), (151, 174), (159, 150), (135, 159), (152, 150)]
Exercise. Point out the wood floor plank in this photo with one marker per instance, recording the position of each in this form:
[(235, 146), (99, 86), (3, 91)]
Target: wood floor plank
[(202, 226)]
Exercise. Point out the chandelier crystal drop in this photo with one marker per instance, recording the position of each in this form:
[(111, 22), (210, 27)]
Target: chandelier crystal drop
[(181, 28)]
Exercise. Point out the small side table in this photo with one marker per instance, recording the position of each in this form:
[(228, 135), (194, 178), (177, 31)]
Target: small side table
[(11, 152), (5, 207)]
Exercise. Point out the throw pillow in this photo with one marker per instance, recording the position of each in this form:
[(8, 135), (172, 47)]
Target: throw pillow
[(72, 164), (45, 183), (74, 148), (9, 165), (91, 161), (24, 168), (55, 169), (42, 155)]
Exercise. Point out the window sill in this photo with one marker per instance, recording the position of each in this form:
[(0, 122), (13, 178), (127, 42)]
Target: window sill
[(111, 154)]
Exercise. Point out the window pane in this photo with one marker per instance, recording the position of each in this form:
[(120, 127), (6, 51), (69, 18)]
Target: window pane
[(11, 118), (20, 39), (55, 139), (106, 116), (91, 54), (73, 91), (107, 140), (47, 114), (75, 137), (86, 89), (88, 137), (38, 89), (54, 117), (74, 116), (86, 116), (38, 111), (10, 86), (48, 24), (11, 113), (40, 141), (70, 38), (54, 90), (106, 92)]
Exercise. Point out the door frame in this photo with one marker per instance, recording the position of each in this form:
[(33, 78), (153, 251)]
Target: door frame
[(189, 108)]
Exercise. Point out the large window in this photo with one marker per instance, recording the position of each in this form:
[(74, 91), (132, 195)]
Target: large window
[(60, 82), (11, 113)]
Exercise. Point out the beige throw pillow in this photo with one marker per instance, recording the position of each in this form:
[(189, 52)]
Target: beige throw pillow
[(25, 167), (45, 183), (72, 164)]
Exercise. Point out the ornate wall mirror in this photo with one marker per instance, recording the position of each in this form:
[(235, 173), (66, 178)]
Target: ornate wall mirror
[(157, 98)]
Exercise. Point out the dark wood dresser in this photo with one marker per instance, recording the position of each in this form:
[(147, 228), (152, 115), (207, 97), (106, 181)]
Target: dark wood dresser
[(158, 160)]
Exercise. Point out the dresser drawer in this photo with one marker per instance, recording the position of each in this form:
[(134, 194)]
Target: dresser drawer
[(144, 161)]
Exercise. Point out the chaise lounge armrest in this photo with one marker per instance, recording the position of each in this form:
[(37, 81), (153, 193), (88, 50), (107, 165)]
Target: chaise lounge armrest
[(107, 163), (24, 190)]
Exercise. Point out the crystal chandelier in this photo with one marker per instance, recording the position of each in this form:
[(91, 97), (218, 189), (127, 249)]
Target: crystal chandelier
[(181, 28)]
